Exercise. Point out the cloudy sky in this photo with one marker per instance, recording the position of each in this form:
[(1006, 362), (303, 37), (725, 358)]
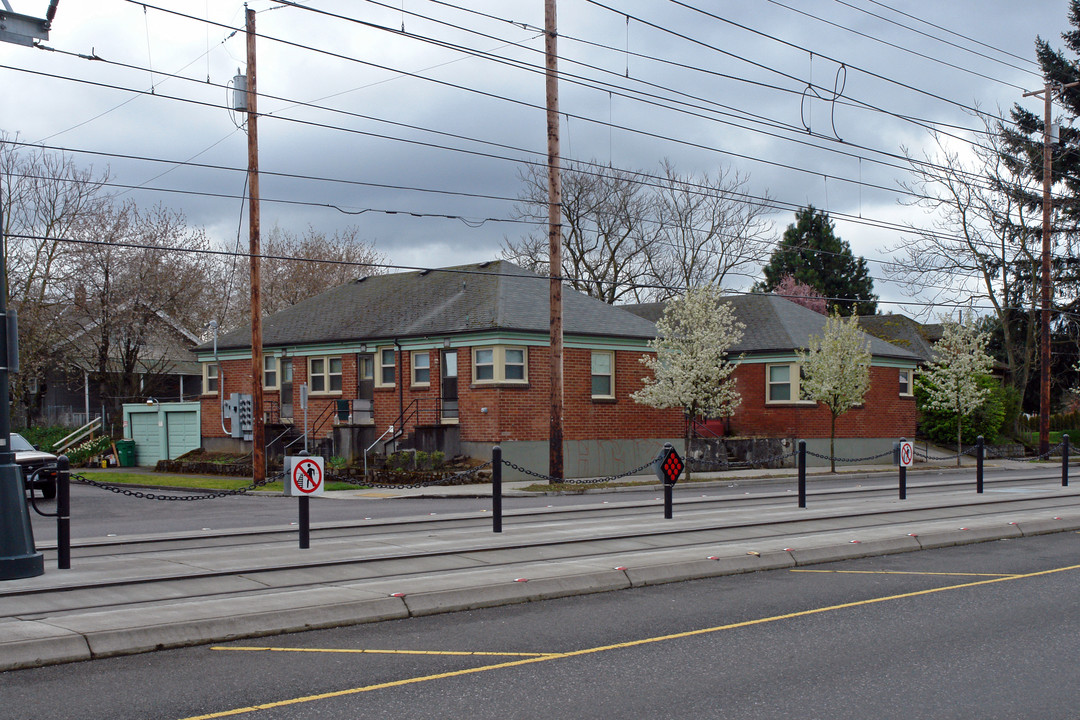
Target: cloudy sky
[(393, 130)]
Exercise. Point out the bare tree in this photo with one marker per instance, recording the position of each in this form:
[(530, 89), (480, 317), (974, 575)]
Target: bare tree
[(708, 228), (295, 267), (139, 297), (604, 239), (981, 242), (628, 235), (44, 196)]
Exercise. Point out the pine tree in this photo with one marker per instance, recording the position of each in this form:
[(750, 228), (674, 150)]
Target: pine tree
[(812, 253)]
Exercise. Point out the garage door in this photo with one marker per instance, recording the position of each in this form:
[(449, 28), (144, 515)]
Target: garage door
[(144, 431), (182, 432)]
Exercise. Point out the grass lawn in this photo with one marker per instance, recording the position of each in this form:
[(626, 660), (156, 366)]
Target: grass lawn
[(195, 482)]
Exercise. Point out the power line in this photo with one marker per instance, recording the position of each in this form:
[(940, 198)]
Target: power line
[(931, 58)]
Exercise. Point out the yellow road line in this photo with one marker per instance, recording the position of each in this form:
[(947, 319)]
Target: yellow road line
[(620, 646), (904, 572), (365, 651)]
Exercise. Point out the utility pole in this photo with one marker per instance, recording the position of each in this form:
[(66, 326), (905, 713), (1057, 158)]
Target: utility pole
[(19, 557), (555, 437), (258, 427), (1048, 92)]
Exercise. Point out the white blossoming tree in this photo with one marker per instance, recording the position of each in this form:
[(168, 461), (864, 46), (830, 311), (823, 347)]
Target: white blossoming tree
[(836, 371), (691, 368), (952, 378)]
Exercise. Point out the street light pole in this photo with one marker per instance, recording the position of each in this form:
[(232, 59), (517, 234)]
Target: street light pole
[(18, 556)]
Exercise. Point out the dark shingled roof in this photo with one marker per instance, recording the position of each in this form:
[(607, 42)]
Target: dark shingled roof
[(493, 296), (903, 332), (775, 324)]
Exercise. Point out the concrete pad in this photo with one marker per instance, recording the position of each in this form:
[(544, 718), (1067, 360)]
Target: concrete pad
[(191, 623), (850, 551), (32, 644), (1044, 527), (697, 569), (432, 603), (948, 538)]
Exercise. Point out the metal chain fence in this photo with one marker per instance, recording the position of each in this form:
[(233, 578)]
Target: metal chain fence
[(577, 481), (121, 490)]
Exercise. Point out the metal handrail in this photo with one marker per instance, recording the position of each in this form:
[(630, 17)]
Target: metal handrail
[(78, 435)]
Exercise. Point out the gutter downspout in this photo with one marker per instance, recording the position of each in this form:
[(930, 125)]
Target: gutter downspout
[(220, 382), (400, 383)]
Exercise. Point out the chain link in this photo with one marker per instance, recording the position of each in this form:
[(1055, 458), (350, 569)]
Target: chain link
[(578, 481), (121, 490)]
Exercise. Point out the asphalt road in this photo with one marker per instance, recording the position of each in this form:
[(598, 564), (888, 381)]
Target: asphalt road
[(99, 513), (976, 631)]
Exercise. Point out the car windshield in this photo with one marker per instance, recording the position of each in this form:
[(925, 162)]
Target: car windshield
[(20, 444)]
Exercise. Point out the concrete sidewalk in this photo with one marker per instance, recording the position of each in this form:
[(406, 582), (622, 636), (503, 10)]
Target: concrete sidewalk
[(126, 597)]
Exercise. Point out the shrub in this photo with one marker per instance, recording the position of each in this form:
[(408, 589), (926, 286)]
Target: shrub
[(988, 420)]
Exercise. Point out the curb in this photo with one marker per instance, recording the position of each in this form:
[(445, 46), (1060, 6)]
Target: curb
[(30, 642)]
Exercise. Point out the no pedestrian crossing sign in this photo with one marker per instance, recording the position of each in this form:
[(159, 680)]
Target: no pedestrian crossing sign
[(907, 453), (305, 476)]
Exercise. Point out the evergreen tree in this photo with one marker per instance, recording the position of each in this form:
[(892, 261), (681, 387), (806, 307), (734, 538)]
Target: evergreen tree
[(812, 254)]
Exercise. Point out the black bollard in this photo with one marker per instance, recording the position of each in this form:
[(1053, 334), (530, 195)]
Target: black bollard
[(1065, 460), (979, 450), (802, 473), (63, 512), (496, 489)]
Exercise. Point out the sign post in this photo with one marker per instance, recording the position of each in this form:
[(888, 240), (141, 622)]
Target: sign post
[(668, 466), (304, 478), (905, 458)]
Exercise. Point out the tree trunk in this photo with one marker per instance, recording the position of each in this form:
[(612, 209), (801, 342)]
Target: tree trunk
[(959, 434), (832, 445)]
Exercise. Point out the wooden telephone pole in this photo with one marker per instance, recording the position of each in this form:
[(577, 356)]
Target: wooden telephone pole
[(258, 428), (1048, 93), (555, 437)]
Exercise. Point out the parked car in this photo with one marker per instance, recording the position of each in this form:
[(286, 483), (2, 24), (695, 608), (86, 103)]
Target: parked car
[(30, 459)]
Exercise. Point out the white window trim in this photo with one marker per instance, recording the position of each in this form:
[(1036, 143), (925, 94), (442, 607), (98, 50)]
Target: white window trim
[(412, 367), (611, 354), (794, 375), (325, 375), (379, 368), (277, 373), (498, 358), (206, 378), (910, 383)]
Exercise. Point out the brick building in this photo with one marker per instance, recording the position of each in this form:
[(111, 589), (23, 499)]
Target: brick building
[(455, 360), (767, 378)]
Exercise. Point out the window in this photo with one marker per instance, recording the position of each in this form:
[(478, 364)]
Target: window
[(779, 383), (210, 378), (603, 374), (387, 362), (365, 368), (905, 383), (782, 383), (324, 374), (270, 372), (514, 363), (484, 365), (501, 364), (421, 368)]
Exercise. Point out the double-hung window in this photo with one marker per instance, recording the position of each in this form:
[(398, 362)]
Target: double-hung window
[(421, 368), (210, 378), (270, 372), (603, 375), (782, 383), (386, 365), (324, 374), (905, 383), (500, 364)]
